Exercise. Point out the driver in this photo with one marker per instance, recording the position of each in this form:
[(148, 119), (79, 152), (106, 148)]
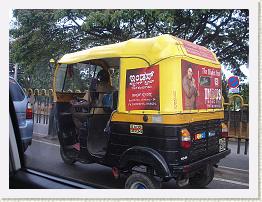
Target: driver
[(103, 86), (91, 98)]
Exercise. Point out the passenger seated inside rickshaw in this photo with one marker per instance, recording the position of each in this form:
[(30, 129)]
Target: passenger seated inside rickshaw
[(97, 107)]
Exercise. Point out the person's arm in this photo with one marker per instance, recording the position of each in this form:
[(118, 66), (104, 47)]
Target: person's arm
[(83, 102)]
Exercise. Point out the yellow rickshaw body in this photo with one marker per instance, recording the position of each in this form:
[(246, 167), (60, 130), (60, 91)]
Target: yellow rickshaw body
[(168, 117), (166, 54)]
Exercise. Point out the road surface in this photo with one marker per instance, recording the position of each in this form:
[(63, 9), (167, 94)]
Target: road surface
[(44, 155)]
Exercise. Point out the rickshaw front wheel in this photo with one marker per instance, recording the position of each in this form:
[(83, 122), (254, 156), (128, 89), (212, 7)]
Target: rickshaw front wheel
[(142, 181), (67, 159)]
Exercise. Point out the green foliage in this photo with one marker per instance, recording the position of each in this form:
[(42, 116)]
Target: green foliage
[(39, 35), (244, 92)]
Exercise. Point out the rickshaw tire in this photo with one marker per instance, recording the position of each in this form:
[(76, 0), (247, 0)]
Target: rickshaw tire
[(142, 181), (203, 177), (65, 158)]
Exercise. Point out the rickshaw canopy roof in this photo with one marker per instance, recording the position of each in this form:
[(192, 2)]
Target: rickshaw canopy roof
[(151, 49)]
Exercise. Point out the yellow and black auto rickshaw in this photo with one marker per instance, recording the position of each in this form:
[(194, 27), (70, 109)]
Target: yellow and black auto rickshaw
[(161, 119)]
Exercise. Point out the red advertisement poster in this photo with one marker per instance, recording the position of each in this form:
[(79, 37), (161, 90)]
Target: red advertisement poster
[(197, 50), (201, 86), (142, 88)]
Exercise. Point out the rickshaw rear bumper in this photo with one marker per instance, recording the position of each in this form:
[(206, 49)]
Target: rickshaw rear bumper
[(214, 159)]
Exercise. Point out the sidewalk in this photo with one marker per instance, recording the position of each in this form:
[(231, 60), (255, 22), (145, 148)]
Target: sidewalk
[(40, 133)]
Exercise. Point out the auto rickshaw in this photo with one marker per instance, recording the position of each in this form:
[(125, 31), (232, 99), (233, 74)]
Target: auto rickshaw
[(162, 121)]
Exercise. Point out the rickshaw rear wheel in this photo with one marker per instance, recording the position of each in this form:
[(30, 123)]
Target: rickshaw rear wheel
[(67, 159), (142, 181), (203, 177)]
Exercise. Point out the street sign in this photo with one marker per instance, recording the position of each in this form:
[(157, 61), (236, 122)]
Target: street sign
[(234, 90), (233, 82)]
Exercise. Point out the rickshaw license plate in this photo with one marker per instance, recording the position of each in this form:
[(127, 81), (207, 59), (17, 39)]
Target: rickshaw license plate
[(222, 144), (136, 129)]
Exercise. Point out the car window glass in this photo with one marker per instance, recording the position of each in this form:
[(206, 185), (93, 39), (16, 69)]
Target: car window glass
[(16, 92)]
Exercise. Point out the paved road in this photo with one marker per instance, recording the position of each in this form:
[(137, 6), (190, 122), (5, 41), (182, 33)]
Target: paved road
[(235, 160), (44, 155)]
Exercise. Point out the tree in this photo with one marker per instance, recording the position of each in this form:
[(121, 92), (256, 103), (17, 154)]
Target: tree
[(244, 92), (39, 35)]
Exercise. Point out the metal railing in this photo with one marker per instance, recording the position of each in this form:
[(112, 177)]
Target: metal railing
[(42, 103), (237, 119)]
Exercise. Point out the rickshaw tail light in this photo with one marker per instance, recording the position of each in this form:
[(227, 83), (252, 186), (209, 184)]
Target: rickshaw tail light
[(186, 145), (185, 139), (224, 130)]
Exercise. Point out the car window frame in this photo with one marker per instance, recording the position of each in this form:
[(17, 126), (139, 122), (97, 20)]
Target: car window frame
[(26, 177)]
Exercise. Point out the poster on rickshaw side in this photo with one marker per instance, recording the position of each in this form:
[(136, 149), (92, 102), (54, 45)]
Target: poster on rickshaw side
[(142, 88), (201, 86)]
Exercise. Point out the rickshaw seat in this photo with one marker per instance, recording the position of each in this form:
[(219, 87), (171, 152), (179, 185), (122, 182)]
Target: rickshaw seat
[(97, 139), (66, 119)]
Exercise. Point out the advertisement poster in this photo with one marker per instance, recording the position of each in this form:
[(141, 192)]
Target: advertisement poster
[(142, 88), (197, 50), (201, 86)]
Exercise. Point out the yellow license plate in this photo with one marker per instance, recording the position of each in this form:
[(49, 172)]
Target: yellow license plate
[(136, 129)]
